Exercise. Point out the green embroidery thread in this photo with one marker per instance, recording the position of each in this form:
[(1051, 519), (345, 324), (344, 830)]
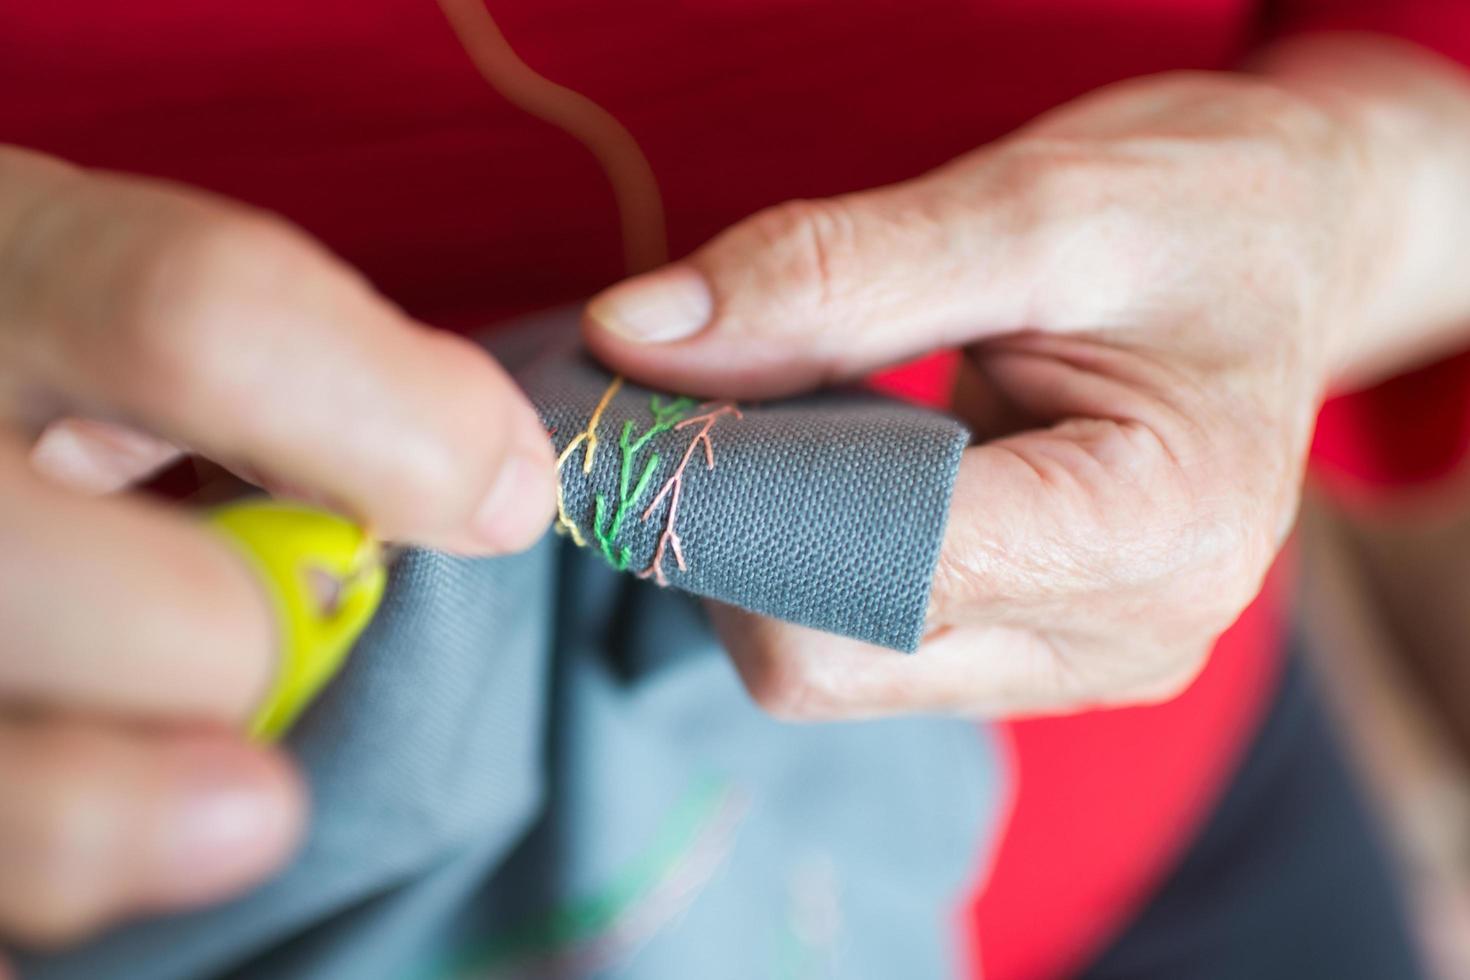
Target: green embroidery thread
[(609, 517), (607, 522)]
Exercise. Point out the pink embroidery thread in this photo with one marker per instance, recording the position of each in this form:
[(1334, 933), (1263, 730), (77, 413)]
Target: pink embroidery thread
[(673, 488)]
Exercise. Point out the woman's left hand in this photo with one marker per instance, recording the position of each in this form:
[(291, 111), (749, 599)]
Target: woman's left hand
[(1152, 287)]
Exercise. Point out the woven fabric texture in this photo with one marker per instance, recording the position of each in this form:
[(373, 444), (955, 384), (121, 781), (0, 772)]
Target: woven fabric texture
[(826, 511), (534, 767)]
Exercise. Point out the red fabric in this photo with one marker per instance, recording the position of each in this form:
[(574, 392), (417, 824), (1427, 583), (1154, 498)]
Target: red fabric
[(1104, 802), (365, 123), (1406, 434), (1412, 432), (1440, 25)]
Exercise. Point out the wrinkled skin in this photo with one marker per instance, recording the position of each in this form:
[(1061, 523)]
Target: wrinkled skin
[(1153, 287), (136, 319)]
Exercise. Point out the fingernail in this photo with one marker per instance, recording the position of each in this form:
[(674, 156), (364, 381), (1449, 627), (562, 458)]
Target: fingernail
[(670, 304), (515, 512)]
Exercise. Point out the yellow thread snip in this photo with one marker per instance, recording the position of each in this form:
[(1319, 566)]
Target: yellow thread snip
[(587, 437), (592, 423), (564, 522)]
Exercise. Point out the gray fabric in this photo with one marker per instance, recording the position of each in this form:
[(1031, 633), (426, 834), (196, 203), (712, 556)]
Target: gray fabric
[(825, 511), (536, 767)]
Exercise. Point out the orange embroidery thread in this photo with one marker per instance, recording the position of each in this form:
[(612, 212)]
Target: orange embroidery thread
[(673, 488)]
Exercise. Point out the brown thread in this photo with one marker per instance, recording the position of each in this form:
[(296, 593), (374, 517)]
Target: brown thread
[(640, 208), (640, 212), (635, 189)]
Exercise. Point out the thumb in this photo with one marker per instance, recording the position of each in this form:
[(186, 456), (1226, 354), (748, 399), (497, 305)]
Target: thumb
[(811, 292)]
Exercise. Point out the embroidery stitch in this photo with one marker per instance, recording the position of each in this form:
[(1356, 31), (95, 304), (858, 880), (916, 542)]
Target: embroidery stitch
[(674, 487), (609, 518), (564, 524), (608, 525), (588, 436)]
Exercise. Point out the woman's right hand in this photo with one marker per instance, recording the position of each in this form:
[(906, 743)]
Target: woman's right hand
[(139, 320)]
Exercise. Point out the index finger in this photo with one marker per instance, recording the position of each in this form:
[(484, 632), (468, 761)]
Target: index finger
[(229, 332)]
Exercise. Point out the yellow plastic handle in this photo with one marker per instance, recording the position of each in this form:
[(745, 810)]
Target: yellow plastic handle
[(324, 577)]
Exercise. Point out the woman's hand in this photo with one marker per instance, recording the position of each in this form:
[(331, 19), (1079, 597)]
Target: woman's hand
[(136, 319), (1153, 287)]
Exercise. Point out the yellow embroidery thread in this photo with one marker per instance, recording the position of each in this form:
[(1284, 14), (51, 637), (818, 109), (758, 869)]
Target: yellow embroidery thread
[(589, 434), (587, 437)]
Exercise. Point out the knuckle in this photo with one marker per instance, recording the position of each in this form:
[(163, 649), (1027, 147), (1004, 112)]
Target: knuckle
[(959, 580), (425, 487), (1129, 499), (1232, 551), (1075, 226), (1267, 122), (1053, 178), (815, 243), (443, 472), (1193, 534)]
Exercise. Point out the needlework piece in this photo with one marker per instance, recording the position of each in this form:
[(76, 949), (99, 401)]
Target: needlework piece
[(825, 510), (609, 514)]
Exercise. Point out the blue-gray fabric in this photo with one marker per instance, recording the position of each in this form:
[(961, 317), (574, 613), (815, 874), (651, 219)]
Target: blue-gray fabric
[(825, 511), (536, 767)]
